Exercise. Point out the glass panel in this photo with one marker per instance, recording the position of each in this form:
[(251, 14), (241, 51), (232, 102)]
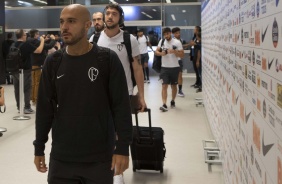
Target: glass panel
[(45, 18), (29, 3), (184, 15)]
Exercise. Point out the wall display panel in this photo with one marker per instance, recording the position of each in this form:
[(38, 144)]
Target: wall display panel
[(241, 55)]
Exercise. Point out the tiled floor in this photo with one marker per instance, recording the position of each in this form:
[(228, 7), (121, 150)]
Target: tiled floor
[(185, 127)]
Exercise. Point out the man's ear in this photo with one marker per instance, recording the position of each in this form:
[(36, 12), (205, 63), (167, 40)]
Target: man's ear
[(88, 24)]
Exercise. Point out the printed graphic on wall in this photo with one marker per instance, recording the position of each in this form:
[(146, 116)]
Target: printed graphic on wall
[(242, 79)]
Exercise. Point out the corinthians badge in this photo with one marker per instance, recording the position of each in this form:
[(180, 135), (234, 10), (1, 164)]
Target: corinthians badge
[(93, 74)]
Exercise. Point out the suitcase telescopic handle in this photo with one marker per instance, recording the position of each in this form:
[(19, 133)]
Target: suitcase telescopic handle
[(150, 124)]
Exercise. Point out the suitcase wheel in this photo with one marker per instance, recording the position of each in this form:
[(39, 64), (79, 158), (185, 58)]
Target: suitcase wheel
[(134, 165), (161, 167)]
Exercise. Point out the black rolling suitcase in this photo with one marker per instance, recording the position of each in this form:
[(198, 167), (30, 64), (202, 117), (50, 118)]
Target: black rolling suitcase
[(147, 149)]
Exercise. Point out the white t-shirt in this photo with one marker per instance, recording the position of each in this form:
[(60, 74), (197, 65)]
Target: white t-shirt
[(170, 60), (116, 44), (142, 41)]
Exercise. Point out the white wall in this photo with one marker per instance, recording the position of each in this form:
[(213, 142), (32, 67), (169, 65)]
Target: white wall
[(242, 77)]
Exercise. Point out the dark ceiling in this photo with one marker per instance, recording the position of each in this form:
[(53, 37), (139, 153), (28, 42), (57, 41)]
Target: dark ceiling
[(29, 3)]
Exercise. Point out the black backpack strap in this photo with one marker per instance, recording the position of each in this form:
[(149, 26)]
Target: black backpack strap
[(127, 43), (95, 38), (162, 43)]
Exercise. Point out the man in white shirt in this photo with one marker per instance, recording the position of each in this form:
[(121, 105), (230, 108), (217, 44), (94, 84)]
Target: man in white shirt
[(176, 34), (143, 42), (112, 37), (170, 51)]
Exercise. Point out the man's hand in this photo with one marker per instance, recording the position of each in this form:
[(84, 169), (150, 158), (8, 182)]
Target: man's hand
[(192, 43), (42, 38), (119, 164), (142, 104), (52, 37), (198, 64), (39, 162)]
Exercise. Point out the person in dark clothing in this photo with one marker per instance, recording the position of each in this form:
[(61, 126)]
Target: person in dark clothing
[(37, 60), (5, 51), (88, 112), (198, 59), (26, 50), (192, 54)]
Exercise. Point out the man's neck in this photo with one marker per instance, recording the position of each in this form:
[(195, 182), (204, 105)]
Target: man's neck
[(79, 48), (112, 32)]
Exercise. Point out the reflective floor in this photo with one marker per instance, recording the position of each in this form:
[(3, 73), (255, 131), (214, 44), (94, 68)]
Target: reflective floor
[(185, 127)]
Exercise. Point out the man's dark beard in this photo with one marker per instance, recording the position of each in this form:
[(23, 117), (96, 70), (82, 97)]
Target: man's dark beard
[(168, 39), (113, 26), (75, 40), (98, 30)]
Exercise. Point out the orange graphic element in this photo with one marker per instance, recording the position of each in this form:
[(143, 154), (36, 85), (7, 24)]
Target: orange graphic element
[(259, 105), (263, 63), (256, 135), (242, 111), (279, 170), (257, 37), (233, 97)]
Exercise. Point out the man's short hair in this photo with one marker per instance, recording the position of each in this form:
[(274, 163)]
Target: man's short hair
[(119, 9), (199, 29), (175, 29), (9, 35), (166, 30), (19, 33), (32, 32), (100, 13)]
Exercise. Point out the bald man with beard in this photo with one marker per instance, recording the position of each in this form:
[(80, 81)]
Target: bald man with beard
[(87, 112)]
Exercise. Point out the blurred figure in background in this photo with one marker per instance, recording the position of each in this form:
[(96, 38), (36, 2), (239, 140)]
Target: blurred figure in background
[(192, 54), (5, 50), (26, 49), (143, 42), (37, 59), (176, 34)]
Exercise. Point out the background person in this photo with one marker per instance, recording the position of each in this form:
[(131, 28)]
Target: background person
[(198, 59), (26, 50), (112, 37), (171, 50), (192, 54), (5, 51), (37, 59), (144, 42), (176, 34)]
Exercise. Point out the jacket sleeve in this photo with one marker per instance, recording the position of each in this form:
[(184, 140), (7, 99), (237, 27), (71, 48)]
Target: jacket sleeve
[(120, 105), (44, 108), (49, 45)]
